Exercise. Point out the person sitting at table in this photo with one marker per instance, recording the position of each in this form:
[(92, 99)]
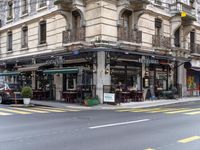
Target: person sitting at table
[(132, 88), (119, 87)]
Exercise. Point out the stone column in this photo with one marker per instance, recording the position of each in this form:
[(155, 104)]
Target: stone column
[(182, 77), (103, 75), (143, 74), (58, 82), (33, 78)]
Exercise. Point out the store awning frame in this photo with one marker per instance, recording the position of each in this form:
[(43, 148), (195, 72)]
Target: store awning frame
[(14, 73), (61, 71), (28, 69)]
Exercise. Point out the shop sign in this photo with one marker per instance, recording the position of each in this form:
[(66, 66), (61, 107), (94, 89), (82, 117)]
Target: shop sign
[(109, 97), (55, 62), (149, 61)]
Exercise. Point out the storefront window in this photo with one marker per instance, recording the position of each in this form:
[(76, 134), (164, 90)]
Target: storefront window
[(161, 78), (70, 81), (128, 77)]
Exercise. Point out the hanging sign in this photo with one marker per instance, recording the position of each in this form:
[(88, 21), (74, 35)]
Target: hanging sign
[(149, 61), (183, 14)]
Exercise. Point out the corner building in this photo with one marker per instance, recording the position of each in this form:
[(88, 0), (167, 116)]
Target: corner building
[(68, 50)]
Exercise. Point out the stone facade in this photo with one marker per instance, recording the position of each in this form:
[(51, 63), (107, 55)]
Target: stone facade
[(101, 24)]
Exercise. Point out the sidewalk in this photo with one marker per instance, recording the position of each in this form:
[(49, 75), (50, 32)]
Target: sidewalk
[(144, 104)]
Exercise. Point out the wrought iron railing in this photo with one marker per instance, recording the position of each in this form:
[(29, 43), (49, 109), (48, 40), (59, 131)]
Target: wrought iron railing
[(134, 36), (194, 48), (179, 7), (72, 36), (161, 41)]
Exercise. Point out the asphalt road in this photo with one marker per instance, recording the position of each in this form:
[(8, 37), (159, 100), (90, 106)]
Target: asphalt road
[(173, 127)]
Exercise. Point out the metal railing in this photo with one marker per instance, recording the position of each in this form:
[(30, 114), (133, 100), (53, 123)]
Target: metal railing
[(161, 41), (70, 36), (134, 36), (194, 48), (179, 7)]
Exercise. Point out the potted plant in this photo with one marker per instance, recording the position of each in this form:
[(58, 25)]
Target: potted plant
[(91, 101), (27, 94)]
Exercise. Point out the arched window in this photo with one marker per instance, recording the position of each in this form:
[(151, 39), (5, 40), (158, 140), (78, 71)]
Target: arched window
[(124, 30), (78, 30)]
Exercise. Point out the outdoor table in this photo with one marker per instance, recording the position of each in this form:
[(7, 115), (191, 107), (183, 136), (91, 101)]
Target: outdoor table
[(69, 96)]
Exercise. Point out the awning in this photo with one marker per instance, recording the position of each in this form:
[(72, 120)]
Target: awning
[(10, 73), (195, 68), (61, 70)]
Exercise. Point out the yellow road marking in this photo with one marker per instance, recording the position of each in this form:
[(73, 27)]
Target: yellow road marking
[(62, 109), (187, 140), (163, 110), (5, 114), (50, 110), (193, 113), (14, 111), (145, 110), (181, 111), (31, 110)]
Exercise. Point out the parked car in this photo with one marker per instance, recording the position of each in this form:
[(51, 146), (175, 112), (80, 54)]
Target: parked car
[(10, 92)]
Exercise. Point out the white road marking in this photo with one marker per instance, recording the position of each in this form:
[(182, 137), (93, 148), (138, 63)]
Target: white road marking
[(118, 124)]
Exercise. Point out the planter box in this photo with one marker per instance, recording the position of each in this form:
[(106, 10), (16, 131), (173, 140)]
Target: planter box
[(91, 102)]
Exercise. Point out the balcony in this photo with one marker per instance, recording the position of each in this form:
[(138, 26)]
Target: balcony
[(139, 4), (195, 48), (178, 8), (69, 36), (140, 1), (135, 36), (57, 2), (161, 41)]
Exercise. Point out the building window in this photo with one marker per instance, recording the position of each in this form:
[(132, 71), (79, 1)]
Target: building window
[(77, 26), (24, 4), (70, 82), (158, 26), (42, 33), (158, 2), (10, 10), (177, 38), (42, 3), (124, 30), (24, 37), (10, 40)]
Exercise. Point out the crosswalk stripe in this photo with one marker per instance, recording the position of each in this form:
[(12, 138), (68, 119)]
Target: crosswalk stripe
[(31, 110), (14, 111), (5, 114), (190, 139), (182, 111)]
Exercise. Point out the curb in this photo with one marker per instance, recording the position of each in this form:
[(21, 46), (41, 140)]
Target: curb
[(110, 107)]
